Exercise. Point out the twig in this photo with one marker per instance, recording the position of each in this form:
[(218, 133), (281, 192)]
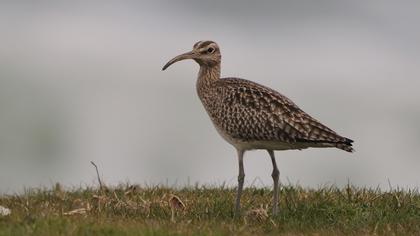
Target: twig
[(97, 173)]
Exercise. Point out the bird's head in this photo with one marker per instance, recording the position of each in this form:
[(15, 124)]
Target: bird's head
[(205, 53)]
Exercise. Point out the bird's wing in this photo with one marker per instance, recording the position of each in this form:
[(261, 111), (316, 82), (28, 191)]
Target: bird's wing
[(266, 114)]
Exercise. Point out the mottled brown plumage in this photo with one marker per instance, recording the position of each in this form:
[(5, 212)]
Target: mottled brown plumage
[(251, 116)]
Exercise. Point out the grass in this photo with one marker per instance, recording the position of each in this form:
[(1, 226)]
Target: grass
[(135, 210)]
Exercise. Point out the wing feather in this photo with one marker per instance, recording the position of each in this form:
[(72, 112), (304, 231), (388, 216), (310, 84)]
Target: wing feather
[(260, 113)]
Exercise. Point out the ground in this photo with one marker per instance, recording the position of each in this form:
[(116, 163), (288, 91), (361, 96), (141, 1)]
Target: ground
[(200, 210)]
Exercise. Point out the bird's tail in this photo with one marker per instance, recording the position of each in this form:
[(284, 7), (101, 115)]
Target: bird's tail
[(346, 145)]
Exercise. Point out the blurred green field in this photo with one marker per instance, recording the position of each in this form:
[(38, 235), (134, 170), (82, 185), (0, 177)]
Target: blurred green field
[(137, 210)]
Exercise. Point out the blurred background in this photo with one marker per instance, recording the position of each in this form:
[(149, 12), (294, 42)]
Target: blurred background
[(81, 81)]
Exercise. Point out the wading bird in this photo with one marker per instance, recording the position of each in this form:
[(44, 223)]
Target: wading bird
[(251, 116)]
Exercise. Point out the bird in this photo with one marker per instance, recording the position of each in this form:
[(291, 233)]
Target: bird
[(251, 116)]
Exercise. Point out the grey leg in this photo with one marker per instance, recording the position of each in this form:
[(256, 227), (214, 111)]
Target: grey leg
[(241, 178), (275, 174)]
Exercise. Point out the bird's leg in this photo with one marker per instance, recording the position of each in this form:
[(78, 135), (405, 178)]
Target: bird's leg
[(275, 174), (241, 178)]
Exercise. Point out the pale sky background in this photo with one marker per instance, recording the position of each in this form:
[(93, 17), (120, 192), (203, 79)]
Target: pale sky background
[(82, 81)]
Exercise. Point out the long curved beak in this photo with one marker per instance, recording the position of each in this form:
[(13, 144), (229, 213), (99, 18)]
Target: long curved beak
[(188, 55)]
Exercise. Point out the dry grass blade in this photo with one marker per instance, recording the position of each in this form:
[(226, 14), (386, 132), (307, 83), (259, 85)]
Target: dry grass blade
[(176, 205), (257, 215), (132, 190), (78, 211), (100, 200), (80, 207)]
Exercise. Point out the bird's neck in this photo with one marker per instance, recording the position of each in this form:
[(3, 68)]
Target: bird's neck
[(208, 75)]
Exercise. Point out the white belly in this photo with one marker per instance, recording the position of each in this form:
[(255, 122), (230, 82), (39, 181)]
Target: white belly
[(268, 145)]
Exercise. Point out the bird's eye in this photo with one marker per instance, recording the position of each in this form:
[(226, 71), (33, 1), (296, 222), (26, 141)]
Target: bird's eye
[(210, 50)]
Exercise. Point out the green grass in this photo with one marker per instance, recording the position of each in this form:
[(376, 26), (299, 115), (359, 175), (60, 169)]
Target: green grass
[(128, 210)]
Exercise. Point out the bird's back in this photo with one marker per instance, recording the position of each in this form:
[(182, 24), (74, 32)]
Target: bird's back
[(252, 116)]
